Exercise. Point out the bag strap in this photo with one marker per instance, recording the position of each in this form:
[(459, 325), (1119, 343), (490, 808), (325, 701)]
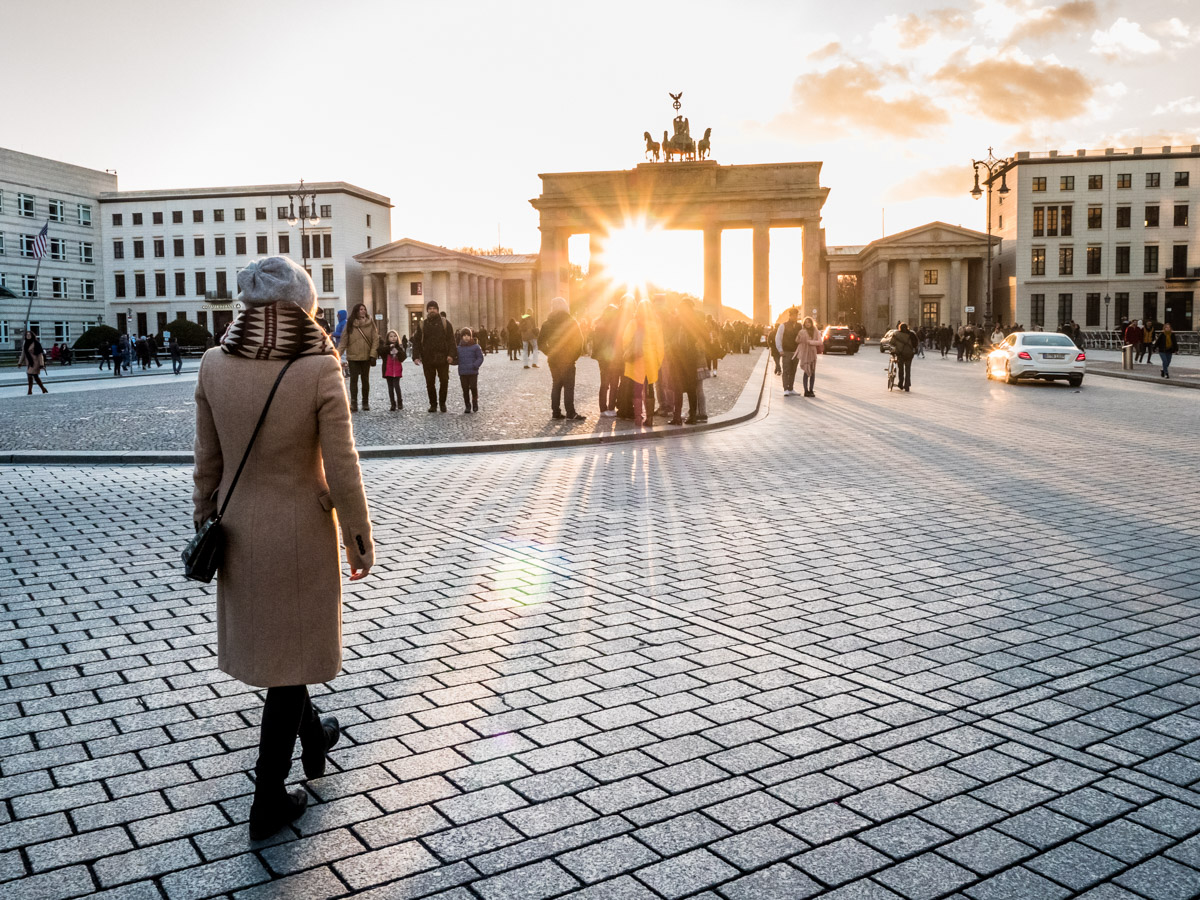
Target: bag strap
[(262, 418)]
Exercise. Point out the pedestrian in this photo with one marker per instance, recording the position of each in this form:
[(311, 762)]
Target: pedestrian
[(434, 349), (512, 335), (904, 347), (562, 341), (143, 353), (529, 336), (105, 354), (784, 349), (685, 350), (176, 355), (642, 350), (391, 351), (1166, 344), (998, 335), (54, 354), (152, 350), (776, 334), (360, 341), (1133, 337), (808, 345), (33, 359), (606, 339), (945, 340), (1149, 335), (960, 341), (320, 320), (279, 593), (115, 352), (470, 358)]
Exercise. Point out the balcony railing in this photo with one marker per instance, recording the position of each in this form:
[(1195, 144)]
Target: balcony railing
[(1187, 273)]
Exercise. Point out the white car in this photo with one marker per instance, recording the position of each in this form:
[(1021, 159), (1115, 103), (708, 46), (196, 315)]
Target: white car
[(1037, 354)]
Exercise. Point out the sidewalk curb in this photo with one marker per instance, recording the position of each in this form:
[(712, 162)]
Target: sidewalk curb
[(76, 378), (1146, 379), (745, 408)]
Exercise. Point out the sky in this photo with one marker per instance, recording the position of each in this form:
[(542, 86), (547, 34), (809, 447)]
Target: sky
[(453, 108)]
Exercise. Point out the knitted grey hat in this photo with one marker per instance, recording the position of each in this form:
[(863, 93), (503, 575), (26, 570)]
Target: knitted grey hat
[(276, 279)]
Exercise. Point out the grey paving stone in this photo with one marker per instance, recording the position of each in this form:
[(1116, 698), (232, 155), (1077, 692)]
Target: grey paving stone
[(987, 851), (779, 882), (622, 888), (221, 877), (925, 877), (544, 879), (841, 861), (1170, 817), (1126, 840), (315, 883), (748, 811), (825, 823), (1017, 882), (147, 862), (84, 847), (681, 833), (73, 881), (1041, 828), (387, 864), (1162, 879), (1076, 866), (310, 852), (473, 839), (904, 837), (686, 874), (607, 859), (758, 847), (884, 802), (960, 815), (552, 815)]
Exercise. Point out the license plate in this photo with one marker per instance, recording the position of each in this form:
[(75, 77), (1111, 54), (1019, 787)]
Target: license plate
[(1054, 356)]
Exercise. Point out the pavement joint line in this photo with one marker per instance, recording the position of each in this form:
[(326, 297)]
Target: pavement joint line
[(1150, 783), (1017, 736)]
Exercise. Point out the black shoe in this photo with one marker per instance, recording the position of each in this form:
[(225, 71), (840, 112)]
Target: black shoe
[(701, 418), (535, 365), (267, 818), (690, 420), (809, 394), (442, 407), (433, 409), (467, 411), (353, 407), (393, 407), (314, 763), (557, 415), (474, 407), (674, 421), (366, 406), (576, 417)]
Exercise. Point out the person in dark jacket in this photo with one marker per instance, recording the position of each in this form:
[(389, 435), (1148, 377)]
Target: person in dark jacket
[(434, 350), (562, 342), (785, 350), (176, 355), (512, 334), (904, 348), (470, 358), (606, 339), (684, 352), (1166, 345)]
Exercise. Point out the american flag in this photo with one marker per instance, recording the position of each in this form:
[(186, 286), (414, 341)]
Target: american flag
[(40, 242)]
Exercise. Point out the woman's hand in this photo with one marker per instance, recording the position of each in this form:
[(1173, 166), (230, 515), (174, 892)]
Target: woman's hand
[(359, 574)]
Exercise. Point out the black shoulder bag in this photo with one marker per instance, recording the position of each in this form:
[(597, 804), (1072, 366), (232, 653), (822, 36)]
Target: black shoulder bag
[(204, 552)]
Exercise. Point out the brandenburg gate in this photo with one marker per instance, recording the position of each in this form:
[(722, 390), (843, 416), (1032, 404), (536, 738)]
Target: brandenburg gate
[(698, 195)]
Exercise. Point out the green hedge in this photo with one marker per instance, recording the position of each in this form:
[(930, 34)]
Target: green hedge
[(97, 336), (188, 333)]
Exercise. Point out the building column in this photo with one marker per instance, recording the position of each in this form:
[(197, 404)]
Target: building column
[(493, 315), (954, 298), (426, 290), (762, 273), (552, 259), (452, 295), (914, 293), (531, 297), (595, 277), (712, 272), (811, 269), (472, 315)]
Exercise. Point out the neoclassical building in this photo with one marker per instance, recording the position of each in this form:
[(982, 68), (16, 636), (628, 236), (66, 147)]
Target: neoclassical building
[(932, 274), (476, 291)]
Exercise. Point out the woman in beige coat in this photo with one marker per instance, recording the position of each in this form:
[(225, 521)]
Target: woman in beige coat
[(33, 361), (360, 341), (279, 597)]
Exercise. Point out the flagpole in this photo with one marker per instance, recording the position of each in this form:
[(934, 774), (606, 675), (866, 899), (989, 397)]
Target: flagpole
[(36, 273)]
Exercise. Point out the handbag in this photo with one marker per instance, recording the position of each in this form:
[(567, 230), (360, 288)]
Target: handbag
[(204, 552)]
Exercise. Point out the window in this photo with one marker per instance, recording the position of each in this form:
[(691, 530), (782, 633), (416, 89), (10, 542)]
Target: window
[(1037, 309), (1052, 221), (285, 243), (1065, 221), (202, 319), (1095, 182), (1122, 263), (160, 248), (1181, 179), (281, 212), (180, 284), (85, 253), (260, 213), (85, 215), (1095, 217), (1, 252), (1037, 261), (219, 246), (1066, 183), (327, 279), (327, 212), (1064, 309), (261, 245), (1093, 260), (369, 237), (197, 215), (27, 245), (87, 288), (177, 246), (118, 249), (29, 286), (1181, 214), (62, 332), (1039, 221), (25, 205), (122, 323), (239, 215), (239, 245), (1066, 260), (931, 276), (222, 287), (177, 217), (218, 215), (1039, 183), (1124, 181), (198, 246), (1153, 179), (160, 284), (157, 218), (1150, 306), (57, 210), (118, 219), (1122, 300), (201, 283), (327, 245), (162, 321), (119, 284), (137, 218), (1124, 216), (306, 242), (1151, 260), (1151, 217), (58, 248), (139, 284), (58, 287), (139, 249), (368, 219)]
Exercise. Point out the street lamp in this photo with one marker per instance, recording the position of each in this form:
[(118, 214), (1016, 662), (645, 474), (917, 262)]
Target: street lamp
[(308, 215), (1107, 297), (991, 166)]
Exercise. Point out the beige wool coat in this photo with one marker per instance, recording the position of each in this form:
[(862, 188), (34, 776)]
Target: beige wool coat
[(279, 588)]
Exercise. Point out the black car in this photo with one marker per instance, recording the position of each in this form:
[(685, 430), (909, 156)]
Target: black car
[(840, 339)]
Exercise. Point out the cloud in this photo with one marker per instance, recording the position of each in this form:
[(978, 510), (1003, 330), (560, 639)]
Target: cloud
[(854, 96), (1185, 106), (945, 181), (1013, 21), (1124, 40), (1177, 34), (1013, 88), (914, 30)]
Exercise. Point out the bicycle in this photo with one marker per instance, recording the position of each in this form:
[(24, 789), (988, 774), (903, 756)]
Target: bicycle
[(892, 369)]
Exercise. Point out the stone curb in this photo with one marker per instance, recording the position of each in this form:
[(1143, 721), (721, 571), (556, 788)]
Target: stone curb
[(1146, 379), (746, 407)]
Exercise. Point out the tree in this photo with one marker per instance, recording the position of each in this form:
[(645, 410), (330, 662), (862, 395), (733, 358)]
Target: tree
[(485, 251), (97, 336), (189, 334)]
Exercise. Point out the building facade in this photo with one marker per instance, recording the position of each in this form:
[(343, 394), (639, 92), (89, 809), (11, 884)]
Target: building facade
[(174, 252), (68, 292), (1098, 236)]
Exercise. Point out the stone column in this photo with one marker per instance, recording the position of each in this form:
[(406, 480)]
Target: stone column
[(472, 317), (596, 278), (551, 261), (426, 289), (712, 271), (368, 293), (914, 293), (762, 273), (452, 294), (811, 269), (491, 303), (531, 299), (954, 304)]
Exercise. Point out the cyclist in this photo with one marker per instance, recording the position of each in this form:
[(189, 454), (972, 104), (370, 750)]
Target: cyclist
[(904, 348)]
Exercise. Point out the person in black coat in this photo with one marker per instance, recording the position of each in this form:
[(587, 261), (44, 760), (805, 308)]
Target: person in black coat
[(904, 347), (684, 349), (434, 349), (561, 339)]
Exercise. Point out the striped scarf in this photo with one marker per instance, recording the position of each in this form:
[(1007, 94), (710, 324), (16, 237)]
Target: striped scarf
[(277, 331)]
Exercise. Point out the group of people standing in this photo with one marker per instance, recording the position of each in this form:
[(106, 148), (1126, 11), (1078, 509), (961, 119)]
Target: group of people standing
[(1148, 338), (126, 350)]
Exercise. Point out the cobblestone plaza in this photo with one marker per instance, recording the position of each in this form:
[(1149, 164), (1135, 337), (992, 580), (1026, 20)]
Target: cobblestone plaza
[(943, 644)]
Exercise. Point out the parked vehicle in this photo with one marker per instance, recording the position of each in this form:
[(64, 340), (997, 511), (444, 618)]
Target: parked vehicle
[(1042, 355), (840, 339)]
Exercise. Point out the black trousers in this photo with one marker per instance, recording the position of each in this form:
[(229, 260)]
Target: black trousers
[(610, 379), (904, 372), (394, 395), (470, 389), (682, 388), (563, 382), (287, 712), (441, 372), (360, 369)]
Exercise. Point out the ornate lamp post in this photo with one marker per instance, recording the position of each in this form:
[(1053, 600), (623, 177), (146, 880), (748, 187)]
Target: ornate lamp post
[(991, 166), (308, 215), (1107, 297)]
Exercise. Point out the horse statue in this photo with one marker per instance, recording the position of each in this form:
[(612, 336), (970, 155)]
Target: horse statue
[(652, 146), (668, 150), (703, 149)]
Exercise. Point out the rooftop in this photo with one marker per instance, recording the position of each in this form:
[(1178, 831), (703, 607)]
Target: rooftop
[(319, 187), (1023, 155)]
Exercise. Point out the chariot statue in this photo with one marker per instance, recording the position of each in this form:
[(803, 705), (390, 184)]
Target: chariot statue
[(680, 144)]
